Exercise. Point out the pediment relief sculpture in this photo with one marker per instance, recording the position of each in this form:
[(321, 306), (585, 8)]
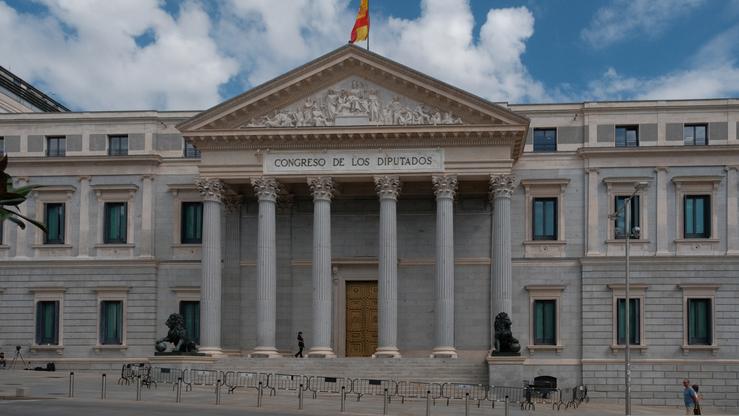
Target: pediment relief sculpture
[(355, 102)]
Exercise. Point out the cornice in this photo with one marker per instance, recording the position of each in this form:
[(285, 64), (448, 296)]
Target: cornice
[(154, 160), (77, 263), (634, 152)]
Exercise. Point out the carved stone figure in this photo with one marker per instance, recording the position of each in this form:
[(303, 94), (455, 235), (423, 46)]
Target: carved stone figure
[(177, 335), (505, 343)]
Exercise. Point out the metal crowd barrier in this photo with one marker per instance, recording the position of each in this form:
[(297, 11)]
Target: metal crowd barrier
[(129, 372), (517, 395), (417, 390), (336, 385), (245, 379), (287, 382), (374, 387), (194, 377), (461, 391), (164, 375)]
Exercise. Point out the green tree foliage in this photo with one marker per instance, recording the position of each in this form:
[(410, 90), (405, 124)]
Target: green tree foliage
[(11, 198)]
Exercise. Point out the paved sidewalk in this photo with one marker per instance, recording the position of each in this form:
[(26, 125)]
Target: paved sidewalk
[(48, 395)]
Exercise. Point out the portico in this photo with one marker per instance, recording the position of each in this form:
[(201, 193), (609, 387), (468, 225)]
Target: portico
[(354, 124)]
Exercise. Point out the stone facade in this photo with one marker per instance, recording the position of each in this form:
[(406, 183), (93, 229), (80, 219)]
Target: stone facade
[(266, 259)]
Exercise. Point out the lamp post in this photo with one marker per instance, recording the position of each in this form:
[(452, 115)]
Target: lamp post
[(627, 304)]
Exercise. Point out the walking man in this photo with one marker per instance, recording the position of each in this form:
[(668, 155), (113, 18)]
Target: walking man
[(301, 345), (690, 397)]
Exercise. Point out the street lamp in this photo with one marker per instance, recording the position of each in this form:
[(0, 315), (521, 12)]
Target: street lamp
[(627, 304)]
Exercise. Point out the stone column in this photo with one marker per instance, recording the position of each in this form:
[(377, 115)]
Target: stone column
[(210, 288), (592, 225), (444, 187), (388, 188), (266, 191), (501, 187), (732, 207), (84, 237), (662, 238), (231, 275), (147, 216), (322, 188), (21, 245)]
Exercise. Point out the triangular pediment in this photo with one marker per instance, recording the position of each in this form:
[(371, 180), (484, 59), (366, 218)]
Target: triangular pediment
[(351, 87)]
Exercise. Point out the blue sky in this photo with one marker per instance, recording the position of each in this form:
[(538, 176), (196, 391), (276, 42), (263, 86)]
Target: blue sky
[(192, 54)]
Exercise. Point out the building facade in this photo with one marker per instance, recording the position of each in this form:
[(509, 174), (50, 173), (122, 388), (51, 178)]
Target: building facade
[(385, 213)]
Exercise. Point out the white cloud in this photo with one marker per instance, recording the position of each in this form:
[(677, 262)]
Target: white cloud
[(627, 19), (85, 51)]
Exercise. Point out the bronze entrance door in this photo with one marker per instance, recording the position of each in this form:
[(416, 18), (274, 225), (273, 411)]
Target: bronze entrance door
[(361, 318)]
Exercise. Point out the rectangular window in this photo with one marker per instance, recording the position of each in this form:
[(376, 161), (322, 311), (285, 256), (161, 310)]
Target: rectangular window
[(111, 322), (695, 134), (545, 140), (191, 152), (697, 213), (47, 322), (118, 145), (634, 321), (190, 311), (699, 322), (545, 322), (115, 223), (54, 221), (56, 146), (192, 223), (2, 146), (620, 221), (545, 219), (627, 136)]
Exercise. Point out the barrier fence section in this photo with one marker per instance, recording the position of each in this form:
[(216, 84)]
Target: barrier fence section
[(165, 375), (321, 384), (374, 387), (517, 395), (195, 377), (287, 382), (245, 379), (418, 390), (460, 391)]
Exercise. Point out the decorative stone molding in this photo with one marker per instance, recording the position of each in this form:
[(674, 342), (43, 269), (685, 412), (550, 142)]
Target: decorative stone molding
[(388, 187), (502, 185), (445, 186), (266, 188), (211, 189), (232, 202), (322, 187)]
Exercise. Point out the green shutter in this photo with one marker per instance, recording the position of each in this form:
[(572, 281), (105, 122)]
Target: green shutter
[(190, 311), (192, 223), (545, 322), (111, 322), (47, 323), (699, 322), (634, 321)]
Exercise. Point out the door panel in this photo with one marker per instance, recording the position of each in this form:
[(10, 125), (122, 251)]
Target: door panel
[(361, 318)]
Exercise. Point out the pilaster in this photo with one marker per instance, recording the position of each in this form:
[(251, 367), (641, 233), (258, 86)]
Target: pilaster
[(594, 241), (732, 214), (83, 245), (662, 236)]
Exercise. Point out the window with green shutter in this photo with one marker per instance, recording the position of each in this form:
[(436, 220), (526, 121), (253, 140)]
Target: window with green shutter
[(545, 219), (54, 221), (190, 311), (620, 220), (697, 216), (699, 322), (634, 321), (545, 322), (111, 322), (115, 223), (192, 223), (47, 322)]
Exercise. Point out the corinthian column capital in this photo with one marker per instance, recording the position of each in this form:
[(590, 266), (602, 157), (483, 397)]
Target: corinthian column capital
[(322, 187), (388, 187), (445, 186), (266, 188), (211, 189), (503, 185), (232, 202)]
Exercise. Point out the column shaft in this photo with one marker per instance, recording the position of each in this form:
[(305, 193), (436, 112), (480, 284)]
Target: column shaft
[(592, 225), (84, 237), (732, 207), (662, 243), (502, 188), (387, 189), (147, 215), (444, 187)]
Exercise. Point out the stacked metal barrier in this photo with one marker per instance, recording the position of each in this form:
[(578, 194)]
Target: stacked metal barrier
[(195, 377), (418, 390), (373, 387), (321, 384), (461, 391), (245, 379)]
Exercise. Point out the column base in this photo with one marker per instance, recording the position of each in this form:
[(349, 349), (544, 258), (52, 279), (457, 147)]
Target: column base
[(321, 352), (444, 352), (386, 352), (265, 352), (215, 352)]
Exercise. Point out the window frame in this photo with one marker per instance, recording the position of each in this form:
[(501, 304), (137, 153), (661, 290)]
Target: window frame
[(699, 291), (636, 291), (61, 226), (693, 126), (544, 236), (191, 152), (115, 193), (635, 219), (49, 294), (123, 228), (548, 148), (706, 217), (545, 293), (118, 150), (627, 128), (183, 218), (696, 185), (639, 308), (59, 151), (694, 340), (187, 294), (544, 188), (108, 294), (544, 341), (52, 195)]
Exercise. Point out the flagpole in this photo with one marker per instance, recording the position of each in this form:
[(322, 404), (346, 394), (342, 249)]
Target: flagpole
[(368, 26)]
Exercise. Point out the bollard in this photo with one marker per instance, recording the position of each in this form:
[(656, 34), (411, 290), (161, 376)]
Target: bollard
[(384, 402), (259, 395), (138, 388), (428, 402), (103, 387), (179, 390), (343, 397), (218, 392), (505, 403), (467, 404), (71, 384), (300, 397)]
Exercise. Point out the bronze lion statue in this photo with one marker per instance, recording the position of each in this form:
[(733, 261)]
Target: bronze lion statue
[(177, 335), (505, 343)]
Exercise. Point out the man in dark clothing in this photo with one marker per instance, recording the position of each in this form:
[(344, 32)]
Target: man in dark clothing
[(301, 345)]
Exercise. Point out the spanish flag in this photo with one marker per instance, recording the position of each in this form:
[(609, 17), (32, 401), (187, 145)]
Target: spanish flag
[(361, 26)]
